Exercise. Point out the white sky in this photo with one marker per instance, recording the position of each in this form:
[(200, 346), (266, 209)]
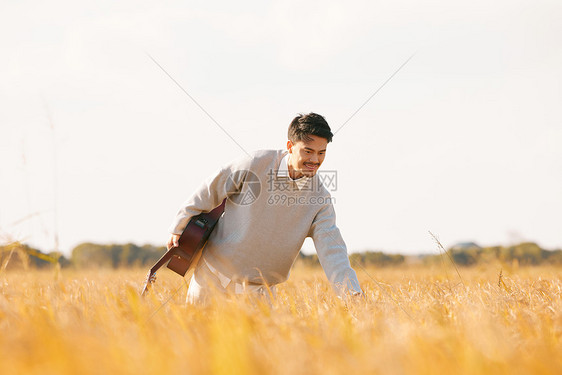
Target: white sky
[(465, 141)]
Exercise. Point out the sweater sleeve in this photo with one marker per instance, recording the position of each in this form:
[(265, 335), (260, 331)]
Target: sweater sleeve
[(226, 181), (332, 251)]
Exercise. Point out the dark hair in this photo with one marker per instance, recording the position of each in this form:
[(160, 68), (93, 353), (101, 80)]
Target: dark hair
[(303, 126)]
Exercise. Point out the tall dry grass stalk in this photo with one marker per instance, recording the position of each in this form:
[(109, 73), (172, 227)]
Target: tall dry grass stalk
[(94, 322)]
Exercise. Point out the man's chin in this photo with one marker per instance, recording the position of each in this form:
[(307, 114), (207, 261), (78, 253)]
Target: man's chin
[(309, 173)]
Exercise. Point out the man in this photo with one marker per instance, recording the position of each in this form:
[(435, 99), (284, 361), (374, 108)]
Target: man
[(275, 200)]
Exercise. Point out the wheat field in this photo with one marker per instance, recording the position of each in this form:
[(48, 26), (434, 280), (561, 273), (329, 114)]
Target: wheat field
[(412, 321)]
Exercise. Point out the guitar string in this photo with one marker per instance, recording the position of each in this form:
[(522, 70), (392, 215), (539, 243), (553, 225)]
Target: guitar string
[(166, 302), (375, 93), (238, 144), (199, 105), (337, 130)]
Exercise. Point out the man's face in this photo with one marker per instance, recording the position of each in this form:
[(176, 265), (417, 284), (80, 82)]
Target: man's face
[(306, 156)]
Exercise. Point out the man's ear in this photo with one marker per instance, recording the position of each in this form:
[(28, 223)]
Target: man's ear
[(290, 147)]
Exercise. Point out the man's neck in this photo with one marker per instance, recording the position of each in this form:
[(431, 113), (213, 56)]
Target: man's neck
[(293, 173)]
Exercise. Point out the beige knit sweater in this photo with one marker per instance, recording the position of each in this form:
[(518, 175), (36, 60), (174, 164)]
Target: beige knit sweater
[(266, 221)]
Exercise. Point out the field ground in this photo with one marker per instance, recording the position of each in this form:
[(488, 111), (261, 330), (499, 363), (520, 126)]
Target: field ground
[(412, 321)]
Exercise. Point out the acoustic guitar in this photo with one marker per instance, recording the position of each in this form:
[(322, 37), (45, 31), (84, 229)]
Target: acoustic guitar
[(191, 243)]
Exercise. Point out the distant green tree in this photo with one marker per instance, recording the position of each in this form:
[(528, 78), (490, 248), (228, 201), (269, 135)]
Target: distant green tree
[(376, 258), (307, 260), (95, 255), (465, 257), (553, 257), (526, 253), (22, 255)]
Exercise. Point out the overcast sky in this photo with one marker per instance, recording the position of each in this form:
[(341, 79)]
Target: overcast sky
[(464, 141)]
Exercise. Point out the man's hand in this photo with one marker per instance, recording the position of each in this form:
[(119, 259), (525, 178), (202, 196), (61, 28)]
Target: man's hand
[(173, 241)]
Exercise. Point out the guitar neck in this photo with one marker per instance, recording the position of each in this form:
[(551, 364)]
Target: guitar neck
[(191, 241), (163, 260)]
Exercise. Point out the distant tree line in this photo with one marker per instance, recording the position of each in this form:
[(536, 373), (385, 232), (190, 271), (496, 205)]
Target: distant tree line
[(525, 253), (18, 255), (376, 258), (114, 256), (88, 255), (367, 258)]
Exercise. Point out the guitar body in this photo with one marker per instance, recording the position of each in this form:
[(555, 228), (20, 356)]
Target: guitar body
[(193, 239), (191, 243)]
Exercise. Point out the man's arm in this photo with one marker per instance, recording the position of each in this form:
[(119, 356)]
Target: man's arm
[(332, 251), (209, 195)]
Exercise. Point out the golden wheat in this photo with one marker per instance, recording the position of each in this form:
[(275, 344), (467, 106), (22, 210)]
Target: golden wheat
[(412, 321)]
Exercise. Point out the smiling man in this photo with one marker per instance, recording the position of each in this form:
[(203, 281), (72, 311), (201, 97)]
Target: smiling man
[(275, 199)]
